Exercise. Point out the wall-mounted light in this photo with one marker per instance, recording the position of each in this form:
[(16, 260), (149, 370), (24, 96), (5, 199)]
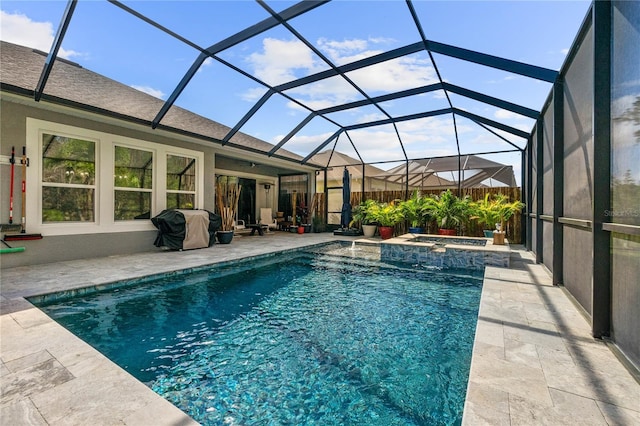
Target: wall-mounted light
[(267, 187)]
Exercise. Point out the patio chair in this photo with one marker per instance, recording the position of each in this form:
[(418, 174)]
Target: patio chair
[(266, 218), (239, 227)]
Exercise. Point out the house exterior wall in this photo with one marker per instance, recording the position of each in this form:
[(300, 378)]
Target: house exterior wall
[(16, 112), (54, 248)]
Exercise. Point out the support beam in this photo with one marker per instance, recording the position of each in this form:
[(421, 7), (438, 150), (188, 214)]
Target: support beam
[(558, 180), (262, 26), (481, 97), (362, 63), (399, 119), (326, 198), (322, 145), (55, 47), (292, 133), (601, 296), (532, 71), (364, 169), (247, 116), (492, 123), (529, 201), (523, 198), (539, 187), (382, 98)]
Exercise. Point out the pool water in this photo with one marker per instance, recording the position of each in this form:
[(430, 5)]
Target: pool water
[(299, 341), (471, 241)]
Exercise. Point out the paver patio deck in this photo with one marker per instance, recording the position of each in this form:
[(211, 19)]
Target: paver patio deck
[(534, 361)]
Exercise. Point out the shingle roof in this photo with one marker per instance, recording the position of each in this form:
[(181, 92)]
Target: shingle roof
[(20, 69)]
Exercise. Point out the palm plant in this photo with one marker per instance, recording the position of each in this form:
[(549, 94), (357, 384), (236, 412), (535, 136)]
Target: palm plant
[(363, 212), (507, 209), (448, 210), (386, 214), (486, 211), (414, 210)]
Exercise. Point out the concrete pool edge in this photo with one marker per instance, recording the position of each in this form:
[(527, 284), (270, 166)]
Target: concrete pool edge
[(503, 354)]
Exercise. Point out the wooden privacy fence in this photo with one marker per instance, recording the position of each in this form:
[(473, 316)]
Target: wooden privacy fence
[(473, 229)]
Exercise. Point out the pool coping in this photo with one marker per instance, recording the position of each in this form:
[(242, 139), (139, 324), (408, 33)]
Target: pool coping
[(526, 329)]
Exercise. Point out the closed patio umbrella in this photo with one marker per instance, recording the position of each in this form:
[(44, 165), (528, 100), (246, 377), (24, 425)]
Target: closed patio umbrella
[(345, 216)]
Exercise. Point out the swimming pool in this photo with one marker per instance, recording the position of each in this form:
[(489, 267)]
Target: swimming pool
[(297, 340)]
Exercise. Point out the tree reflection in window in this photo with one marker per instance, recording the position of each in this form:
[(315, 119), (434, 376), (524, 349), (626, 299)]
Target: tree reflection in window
[(181, 182), (133, 182), (68, 179)]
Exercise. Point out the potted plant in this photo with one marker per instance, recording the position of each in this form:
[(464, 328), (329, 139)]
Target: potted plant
[(227, 196), (449, 211), (387, 215), (415, 212), (486, 213), (363, 213), (505, 210)]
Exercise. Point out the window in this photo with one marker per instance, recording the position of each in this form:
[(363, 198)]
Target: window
[(84, 181), (181, 182), (68, 179), (133, 183)]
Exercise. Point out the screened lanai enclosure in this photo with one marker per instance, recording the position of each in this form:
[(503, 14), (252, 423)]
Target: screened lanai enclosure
[(406, 94)]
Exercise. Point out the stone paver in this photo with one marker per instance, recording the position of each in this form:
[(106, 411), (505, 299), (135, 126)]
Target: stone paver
[(534, 360)]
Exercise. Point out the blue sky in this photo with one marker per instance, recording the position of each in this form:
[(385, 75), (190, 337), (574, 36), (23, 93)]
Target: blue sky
[(105, 39)]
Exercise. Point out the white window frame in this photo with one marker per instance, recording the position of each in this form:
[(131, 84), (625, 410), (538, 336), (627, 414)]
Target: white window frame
[(154, 161), (173, 191), (104, 182), (96, 172)]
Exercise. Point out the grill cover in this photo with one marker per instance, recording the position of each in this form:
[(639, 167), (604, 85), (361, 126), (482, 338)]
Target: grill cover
[(186, 229)]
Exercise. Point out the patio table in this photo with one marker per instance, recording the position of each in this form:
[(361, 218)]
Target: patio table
[(256, 227)]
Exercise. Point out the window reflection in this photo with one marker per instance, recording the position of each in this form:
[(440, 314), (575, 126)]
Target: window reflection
[(68, 179), (133, 182)]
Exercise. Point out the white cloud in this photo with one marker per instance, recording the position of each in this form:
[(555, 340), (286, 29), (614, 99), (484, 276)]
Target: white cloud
[(279, 60), (253, 95), (345, 51), (564, 51), (506, 115), (335, 49), (20, 29), (394, 75), (439, 94), (324, 93), (286, 60), (150, 91), (303, 144)]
